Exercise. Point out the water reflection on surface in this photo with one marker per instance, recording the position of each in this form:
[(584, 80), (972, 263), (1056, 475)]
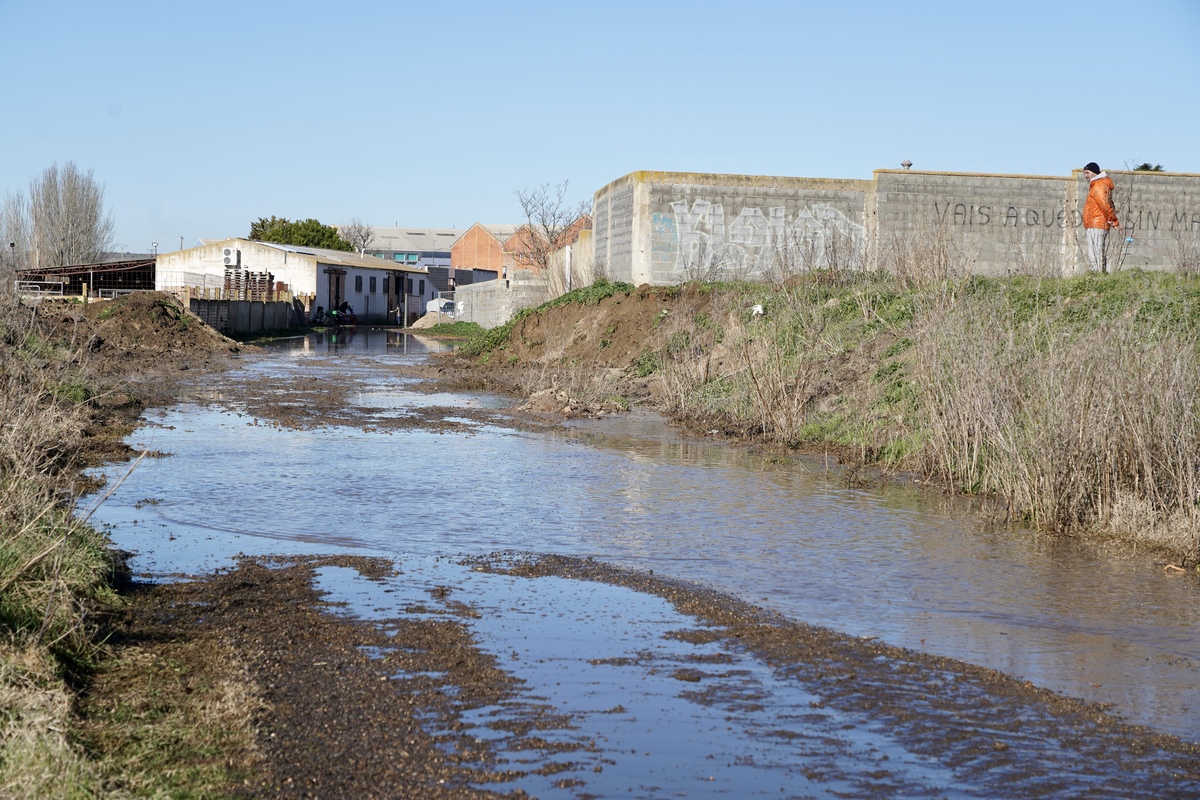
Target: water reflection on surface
[(606, 656), (349, 341), (871, 563)]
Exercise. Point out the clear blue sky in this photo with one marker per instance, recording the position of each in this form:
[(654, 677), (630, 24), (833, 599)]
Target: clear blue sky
[(201, 117)]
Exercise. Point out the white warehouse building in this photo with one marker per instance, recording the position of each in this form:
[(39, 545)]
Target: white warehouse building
[(376, 290)]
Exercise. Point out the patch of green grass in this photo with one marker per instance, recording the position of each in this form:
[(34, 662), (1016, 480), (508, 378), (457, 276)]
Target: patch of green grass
[(895, 451), (164, 727), (678, 342), (457, 330), (73, 391), (496, 338), (887, 371), (646, 364), (824, 428), (52, 569), (706, 324), (897, 347)]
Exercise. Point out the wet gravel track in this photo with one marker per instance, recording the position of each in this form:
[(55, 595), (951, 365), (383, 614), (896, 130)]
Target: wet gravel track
[(419, 699)]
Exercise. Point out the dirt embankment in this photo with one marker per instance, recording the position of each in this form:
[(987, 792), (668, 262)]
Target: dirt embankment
[(141, 337), (642, 347), (133, 352)]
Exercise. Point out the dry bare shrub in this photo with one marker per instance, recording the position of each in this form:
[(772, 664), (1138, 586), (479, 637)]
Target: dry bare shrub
[(698, 350), (824, 247), (1184, 251), (932, 257), (1036, 250), (702, 261), (1097, 429), (761, 368)]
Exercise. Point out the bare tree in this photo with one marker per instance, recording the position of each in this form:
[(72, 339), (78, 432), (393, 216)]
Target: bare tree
[(358, 233), (551, 224), (64, 219), (14, 231)]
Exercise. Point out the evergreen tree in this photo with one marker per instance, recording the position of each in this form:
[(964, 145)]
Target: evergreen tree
[(301, 233)]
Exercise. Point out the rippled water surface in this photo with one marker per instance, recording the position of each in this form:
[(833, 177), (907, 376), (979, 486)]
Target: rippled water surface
[(890, 564)]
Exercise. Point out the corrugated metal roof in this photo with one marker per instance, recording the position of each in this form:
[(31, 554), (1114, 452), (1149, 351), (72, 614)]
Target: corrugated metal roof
[(414, 240), (327, 256), (343, 258)]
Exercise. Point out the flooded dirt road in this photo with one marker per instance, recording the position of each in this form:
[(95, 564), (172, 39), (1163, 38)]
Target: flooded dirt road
[(329, 446)]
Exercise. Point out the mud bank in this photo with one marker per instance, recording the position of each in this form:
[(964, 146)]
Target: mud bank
[(418, 700)]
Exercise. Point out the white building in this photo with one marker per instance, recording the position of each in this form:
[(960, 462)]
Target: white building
[(376, 290)]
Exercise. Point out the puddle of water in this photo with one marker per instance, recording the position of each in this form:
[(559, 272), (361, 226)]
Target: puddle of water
[(385, 399), (389, 341), (644, 703), (882, 564), (603, 655)]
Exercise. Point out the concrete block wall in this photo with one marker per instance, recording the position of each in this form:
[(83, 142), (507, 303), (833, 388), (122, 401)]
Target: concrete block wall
[(494, 303), (1006, 221), (241, 316), (613, 217), (1160, 212), (663, 228)]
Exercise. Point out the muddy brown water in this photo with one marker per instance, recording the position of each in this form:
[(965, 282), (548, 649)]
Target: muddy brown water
[(1104, 625)]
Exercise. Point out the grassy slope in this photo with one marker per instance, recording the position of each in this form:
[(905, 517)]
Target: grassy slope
[(1073, 401), (56, 577)]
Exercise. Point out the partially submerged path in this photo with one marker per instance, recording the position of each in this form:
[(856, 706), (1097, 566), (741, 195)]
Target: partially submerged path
[(341, 676), (445, 680)]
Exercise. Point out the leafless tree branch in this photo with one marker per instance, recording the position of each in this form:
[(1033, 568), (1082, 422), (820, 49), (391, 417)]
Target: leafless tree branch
[(358, 233), (61, 221), (551, 224)]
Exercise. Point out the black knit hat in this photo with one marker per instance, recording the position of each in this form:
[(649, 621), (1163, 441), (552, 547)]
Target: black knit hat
[(1092, 166)]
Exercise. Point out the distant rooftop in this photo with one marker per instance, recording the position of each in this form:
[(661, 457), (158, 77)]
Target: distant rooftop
[(500, 232), (414, 240), (326, 256)]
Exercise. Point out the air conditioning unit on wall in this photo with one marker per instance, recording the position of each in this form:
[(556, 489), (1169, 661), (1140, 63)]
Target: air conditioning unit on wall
[(232, 256)]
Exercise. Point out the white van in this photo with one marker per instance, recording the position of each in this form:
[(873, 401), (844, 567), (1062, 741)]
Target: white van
[(444, 306)]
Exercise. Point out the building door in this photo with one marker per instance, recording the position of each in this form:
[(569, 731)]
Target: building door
[(337, 287)]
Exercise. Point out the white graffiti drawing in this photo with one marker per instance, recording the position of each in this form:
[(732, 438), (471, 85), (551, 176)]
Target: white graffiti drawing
[(756, 243)]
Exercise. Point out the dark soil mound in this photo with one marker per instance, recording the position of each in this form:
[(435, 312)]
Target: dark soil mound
[(130, 352), (143, 332)]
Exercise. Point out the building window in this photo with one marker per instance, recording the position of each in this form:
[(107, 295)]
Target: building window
[(412, 256), (358, 283), (398, 256), (372, 284), (380, 255), (410, 285), (422, 292)]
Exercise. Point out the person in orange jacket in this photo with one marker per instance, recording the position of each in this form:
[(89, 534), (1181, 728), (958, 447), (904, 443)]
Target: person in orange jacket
[(1098, 215)]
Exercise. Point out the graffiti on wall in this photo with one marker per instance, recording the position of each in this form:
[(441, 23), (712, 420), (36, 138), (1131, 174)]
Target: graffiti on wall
[(702, 241), (1024, 216)]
